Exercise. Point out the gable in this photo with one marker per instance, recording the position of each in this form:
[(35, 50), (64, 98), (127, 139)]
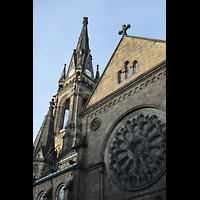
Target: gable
[(71, 66), (39, 153), (147, 53)]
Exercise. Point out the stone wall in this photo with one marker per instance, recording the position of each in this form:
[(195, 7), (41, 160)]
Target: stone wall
[(147, 91), (148, 53), (54, 183)]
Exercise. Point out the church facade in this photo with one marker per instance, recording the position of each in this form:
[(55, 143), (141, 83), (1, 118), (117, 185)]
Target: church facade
[(104, 137)]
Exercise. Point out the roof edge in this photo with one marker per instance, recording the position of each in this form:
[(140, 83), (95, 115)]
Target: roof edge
[(52, 175), (103, 72), (158, 40), (134, 81), (144, 38)]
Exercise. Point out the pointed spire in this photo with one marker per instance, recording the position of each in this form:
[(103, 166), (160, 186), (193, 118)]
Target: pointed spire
[(63, 74), (97, 74), (45, 136), (81, 58), (83, 42)]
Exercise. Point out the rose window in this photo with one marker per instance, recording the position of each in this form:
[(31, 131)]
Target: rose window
[(136, 150)]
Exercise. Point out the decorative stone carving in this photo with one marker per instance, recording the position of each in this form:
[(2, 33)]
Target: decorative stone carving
[(135, 153), (95, 124)]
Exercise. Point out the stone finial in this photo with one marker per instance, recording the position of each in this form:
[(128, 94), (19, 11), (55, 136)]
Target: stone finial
[(124, 28), (85, 20), (97, 74), (52, 103)]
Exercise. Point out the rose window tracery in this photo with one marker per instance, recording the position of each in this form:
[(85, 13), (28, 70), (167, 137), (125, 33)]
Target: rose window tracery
[(136, 149)]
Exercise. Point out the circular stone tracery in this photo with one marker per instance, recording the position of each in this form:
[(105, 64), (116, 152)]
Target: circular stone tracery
[(136, 149)]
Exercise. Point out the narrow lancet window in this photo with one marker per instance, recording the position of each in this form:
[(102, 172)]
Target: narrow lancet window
[(135, 67), (66, 113), (128, 69), (60, 195), (120, 76), (65, 118)]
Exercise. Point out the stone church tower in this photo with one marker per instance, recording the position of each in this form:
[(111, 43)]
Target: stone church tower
[(104, 137)]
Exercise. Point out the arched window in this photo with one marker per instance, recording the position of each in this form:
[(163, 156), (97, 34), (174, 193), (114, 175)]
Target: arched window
[(135, 67), (65, 117), (41, 196), (128, 69), (120, 76), (66, 113), (60, 193)]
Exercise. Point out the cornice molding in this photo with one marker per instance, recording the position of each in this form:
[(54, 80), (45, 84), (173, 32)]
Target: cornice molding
[(134, 86)]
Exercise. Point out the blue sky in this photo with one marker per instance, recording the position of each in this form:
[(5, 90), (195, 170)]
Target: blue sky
[(56, 29)]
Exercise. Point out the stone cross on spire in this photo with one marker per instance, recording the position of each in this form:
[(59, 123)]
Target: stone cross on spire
[(124, 28)]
